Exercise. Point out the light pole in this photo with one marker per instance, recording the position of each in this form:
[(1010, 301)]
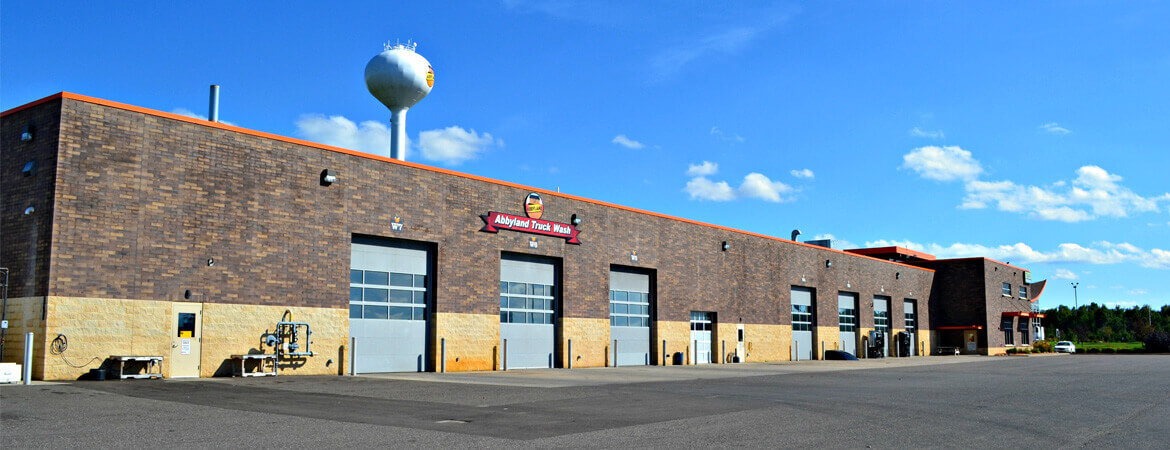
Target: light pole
[(1075, 302)]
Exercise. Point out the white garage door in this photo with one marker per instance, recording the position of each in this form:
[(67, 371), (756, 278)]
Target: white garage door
[(847, 319), (527, 311), (802, 323), (629, 317), (701, 324), (881, 321), (388, 306)]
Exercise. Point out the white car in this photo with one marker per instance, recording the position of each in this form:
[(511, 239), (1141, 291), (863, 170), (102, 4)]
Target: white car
[(1065, 347)]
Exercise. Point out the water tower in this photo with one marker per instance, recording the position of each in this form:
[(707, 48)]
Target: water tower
[(399, 78)]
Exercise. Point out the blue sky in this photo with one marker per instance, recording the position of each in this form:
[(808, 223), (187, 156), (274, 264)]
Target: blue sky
[(1032, 132)]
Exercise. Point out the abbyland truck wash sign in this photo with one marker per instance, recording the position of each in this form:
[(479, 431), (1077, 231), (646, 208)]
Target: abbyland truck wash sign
[(534, 208)]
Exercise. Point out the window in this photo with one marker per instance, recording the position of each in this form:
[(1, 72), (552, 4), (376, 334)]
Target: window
[(701, 321), (1007, 289), (910, 316), (801, 318), (387, 295), (629, 309), (1023, 292), (527, 303), (1008, 333), (847, 318), (186, 325)]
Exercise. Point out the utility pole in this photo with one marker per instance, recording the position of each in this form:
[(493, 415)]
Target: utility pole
[(1075, 302)]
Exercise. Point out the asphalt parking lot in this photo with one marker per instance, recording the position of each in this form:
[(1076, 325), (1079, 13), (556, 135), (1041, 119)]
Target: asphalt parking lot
[(1052, 401)]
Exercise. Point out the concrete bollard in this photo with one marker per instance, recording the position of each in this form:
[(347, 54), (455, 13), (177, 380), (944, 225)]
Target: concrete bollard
[(443, 355), (28, 353), (615, 353), (570, 354), (352, 356)]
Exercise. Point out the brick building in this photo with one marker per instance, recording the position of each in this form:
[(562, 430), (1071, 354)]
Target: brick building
[(130, 231)]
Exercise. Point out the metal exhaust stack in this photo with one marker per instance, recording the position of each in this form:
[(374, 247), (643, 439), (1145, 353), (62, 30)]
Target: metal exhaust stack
[(213, 107)]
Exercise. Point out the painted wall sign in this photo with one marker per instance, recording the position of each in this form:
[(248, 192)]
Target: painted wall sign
[(533, 206), (397, 224), (493, 222)]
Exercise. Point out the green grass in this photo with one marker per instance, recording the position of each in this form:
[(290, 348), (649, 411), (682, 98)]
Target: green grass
[(1084, 346)]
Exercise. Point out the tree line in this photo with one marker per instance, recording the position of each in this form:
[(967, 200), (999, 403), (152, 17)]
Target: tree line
[(1100, 323)]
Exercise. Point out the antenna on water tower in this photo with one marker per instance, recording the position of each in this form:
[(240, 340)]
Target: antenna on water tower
[(398, 77)]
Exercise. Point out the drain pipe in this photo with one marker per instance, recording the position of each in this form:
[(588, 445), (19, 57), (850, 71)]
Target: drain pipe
[(213, 106)]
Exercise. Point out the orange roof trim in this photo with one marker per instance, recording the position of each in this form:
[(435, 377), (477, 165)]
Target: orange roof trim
[(261, 134)]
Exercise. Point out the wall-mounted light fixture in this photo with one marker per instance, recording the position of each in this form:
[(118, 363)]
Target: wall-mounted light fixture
[(210, 262), (828, 263), (897, 275), (187, 294), (29, 169), (29, 210), (726, 245), (26, 133), (328, 177), (575, 220)]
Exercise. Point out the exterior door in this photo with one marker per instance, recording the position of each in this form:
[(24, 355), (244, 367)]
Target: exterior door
[(701, 324), (910, 309), (388, 306), (185, 339), (881, 321), (629, 317), (847, 319), (802, 324), (740, 351), (527, 311)]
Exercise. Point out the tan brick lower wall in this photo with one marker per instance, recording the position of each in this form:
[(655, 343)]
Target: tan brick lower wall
[(767, 342), (677, 336), (97, 328), (925, 342), (23, 316), (591, 342), (472, 340), (827, 338), (230, 329)]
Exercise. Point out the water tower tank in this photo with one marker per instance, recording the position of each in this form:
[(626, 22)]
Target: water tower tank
[(399, 78)]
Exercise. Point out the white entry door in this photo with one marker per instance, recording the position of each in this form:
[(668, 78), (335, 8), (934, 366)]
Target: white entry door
[(701, 336)]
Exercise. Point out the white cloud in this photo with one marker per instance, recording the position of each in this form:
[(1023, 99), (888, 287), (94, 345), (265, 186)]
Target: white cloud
[(1055, 128), (1101, 252), (626, 142), (733, 138), (942, 163), (700, 188), (453, 144), (1065, 274), (759, 186), (754, 185), (1138, 292), (802, 173), (370, 136), (1093, 193), (704, 169), (937, 134), (189, 113)]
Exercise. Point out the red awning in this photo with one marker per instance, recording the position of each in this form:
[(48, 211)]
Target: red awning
[(1017, 314)]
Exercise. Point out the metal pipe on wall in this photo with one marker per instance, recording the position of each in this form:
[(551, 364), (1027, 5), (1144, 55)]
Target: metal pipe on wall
[(213, 104)]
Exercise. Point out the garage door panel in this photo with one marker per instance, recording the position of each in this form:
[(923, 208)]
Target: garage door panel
[(633, 345), (528, 305), (388, 274), (629, 308), (529, 346), (802, 320)]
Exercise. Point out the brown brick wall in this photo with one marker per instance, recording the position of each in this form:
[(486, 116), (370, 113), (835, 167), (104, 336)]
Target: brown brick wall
[(144, 201), (25, 239)]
